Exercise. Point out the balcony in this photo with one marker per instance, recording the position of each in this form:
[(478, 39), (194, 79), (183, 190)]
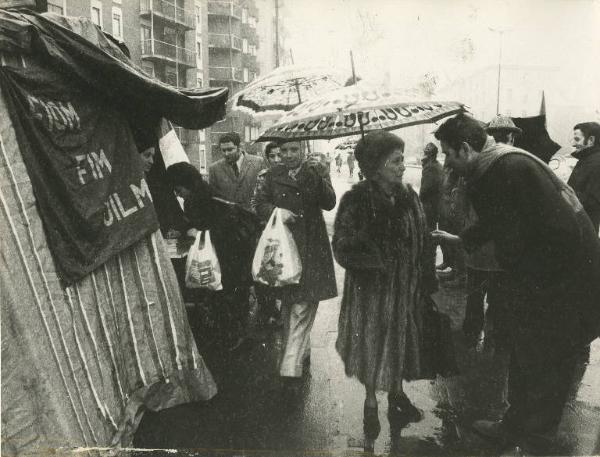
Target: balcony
[(224, 8), (225, 74), (159, 50), (224, 41), (169, 12)]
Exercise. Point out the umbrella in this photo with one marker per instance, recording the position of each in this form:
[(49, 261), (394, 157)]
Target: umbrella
[(285, 88), (356, 110), (535, 138)]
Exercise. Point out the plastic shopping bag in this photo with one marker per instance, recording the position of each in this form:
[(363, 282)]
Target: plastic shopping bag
[(202, 269), (276, 260)]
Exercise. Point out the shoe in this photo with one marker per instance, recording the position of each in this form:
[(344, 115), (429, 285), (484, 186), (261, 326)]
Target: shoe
[(371, 425), (402, 411), (442, 266), (446, 274), (495, 431)]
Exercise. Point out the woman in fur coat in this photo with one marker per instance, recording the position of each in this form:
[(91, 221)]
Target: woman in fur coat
[(380, 238)]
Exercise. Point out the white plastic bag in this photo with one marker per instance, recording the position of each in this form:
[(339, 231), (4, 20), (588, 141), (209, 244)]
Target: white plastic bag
[(202, 269), (276, 260)]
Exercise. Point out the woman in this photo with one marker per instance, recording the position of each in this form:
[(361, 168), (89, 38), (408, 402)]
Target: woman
[(380, 239), (233, 232)]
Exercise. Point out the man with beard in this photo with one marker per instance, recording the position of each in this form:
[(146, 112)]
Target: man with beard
[(585, 179), (550, 252)]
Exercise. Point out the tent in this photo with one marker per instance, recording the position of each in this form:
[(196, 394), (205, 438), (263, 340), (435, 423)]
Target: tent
[(87, 346)]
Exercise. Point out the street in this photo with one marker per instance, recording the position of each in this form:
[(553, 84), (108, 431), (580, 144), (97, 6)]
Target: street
[(248, 416)]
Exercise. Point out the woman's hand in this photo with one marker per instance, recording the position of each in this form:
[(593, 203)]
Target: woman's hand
[(287, 216), (192, 233), (445, 237)]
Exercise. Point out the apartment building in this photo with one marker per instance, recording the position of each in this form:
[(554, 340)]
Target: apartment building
[(232, 62)]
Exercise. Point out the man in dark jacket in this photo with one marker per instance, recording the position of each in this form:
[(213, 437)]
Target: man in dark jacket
[(551, 254), (302, 189), (585, 179), (430, 192)]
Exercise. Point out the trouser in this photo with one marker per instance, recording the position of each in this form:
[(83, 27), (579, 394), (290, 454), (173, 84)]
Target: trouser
[(539, 389), (267, 302), (493, 284), (298, 319)]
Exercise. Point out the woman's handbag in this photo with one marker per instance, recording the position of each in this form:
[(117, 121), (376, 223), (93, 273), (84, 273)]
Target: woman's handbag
[(202, 269), (276, 260), (439, 355)]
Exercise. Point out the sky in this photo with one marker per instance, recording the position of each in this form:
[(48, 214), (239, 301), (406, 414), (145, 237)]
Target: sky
[(407, 39)]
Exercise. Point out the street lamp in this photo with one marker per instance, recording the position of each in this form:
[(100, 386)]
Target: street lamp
[(500, 32)]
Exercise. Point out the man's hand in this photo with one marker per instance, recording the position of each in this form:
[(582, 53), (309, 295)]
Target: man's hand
[(287, 216), (445, 237)]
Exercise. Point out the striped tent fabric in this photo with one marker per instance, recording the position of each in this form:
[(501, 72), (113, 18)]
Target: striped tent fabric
[(80, 364)]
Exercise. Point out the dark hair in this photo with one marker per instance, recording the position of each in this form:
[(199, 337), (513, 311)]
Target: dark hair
[(590, 129), (431, 149), (186, 175), (269, 147), (375, 147), (231, 137), (462, 129), (500, 135)]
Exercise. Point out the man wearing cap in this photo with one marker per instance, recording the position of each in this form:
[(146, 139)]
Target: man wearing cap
[(503, 129), (585, 178)]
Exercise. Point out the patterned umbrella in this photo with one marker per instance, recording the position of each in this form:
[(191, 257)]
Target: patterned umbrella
[(356, 110), (285, 88)]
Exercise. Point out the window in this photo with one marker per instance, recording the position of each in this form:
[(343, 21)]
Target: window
[(246, 76), (198, 18), (198, 53), (148, 68), (58, 7), (202, 155), (96, 13), (252, 50), (202, 135), (145, 35), (171, 76), (199, 79), (247, 132), (117, 22), (244, 16), (245, 46), (252, 22)]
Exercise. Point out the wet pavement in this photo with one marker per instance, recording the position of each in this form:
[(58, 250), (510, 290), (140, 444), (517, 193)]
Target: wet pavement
[(250, 416)]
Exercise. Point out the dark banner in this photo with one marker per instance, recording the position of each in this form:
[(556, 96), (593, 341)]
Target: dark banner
[(84, 167)]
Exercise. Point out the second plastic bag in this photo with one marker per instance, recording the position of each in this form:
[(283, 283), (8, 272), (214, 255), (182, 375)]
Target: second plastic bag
[(202, 269), (276, 260)]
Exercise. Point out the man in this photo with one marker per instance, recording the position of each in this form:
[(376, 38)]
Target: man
[(233, 178), (302, 189), (430, 192), (546, 244), (585, 179), (503, 129)]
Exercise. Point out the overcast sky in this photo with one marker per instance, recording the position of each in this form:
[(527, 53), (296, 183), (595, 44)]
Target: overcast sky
[(449, 38)]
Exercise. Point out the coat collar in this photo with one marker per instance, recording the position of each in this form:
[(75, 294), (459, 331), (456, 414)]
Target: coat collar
[(586, 152)]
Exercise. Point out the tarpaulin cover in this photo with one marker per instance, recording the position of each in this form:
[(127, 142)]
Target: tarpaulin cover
[(84, 166), (80, 363), (96, 63)]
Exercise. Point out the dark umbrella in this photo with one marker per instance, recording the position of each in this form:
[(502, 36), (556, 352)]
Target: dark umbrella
[(535, 138)]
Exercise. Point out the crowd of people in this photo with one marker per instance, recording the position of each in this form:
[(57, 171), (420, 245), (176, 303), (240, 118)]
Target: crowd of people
[(509, 230)]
